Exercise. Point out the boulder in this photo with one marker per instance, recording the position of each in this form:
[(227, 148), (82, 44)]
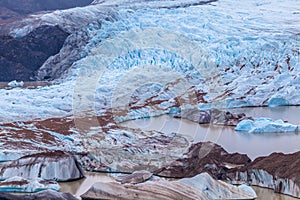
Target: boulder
[(46, 194), (200, 187), (277, 171), (22, 185), (55, 165)]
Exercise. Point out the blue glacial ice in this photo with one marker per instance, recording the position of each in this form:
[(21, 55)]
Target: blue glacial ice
[(22, 185), (266, 125), (248, 55)]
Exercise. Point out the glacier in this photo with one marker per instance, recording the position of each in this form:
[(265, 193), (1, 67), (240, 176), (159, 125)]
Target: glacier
[(233, 55), (139, 59)]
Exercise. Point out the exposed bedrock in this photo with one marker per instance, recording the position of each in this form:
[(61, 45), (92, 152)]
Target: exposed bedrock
[(278, 171), (212, 116), (203, 157), (47, 194), (55, 165), (20, 58), (201, 187)]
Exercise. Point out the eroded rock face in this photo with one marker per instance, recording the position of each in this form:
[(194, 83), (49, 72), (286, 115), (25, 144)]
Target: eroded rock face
[(47, 194), (55, 165), (212, 116), (277, 171), (201, 187), (20, 58), (203, 157)]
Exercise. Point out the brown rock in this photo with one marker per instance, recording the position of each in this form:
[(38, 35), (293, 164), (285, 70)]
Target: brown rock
[(20, 58)]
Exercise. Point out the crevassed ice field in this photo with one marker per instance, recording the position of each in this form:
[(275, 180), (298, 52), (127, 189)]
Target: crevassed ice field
[(253, 45)]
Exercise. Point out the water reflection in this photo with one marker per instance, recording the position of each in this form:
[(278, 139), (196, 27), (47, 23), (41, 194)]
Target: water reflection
[(267, 194)]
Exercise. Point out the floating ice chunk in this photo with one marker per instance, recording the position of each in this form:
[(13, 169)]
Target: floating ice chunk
[(245, 125), (15, 83), (265, 125)]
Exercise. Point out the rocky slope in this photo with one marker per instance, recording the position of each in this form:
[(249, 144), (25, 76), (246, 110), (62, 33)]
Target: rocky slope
[(21, 58)]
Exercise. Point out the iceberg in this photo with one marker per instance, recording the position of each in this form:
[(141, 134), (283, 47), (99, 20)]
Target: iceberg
[(15, 83), (266, 125)]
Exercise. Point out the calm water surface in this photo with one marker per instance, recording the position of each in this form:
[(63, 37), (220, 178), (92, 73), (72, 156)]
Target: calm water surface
[(254, 145)]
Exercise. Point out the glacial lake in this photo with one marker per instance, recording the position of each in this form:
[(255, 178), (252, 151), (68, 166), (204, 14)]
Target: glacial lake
[(254, 145)]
